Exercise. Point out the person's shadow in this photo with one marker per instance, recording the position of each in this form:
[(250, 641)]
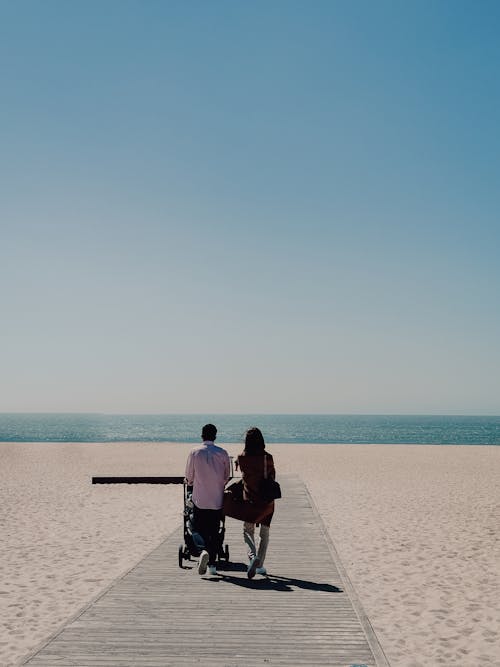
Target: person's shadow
[(272, 582)]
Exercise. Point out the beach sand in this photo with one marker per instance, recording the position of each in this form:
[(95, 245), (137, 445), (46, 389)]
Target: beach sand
[(416, 528)]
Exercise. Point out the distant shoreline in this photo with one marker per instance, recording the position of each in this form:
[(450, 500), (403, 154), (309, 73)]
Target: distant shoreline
[(228, 444), (457, 415), (291, 429)]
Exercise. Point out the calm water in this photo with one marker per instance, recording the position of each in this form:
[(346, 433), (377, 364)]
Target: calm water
[(356, 429)]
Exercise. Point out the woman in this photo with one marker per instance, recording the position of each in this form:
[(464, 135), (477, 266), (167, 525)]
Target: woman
[(255, 463)]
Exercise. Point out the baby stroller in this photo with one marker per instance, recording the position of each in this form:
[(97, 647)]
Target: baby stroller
[(190, 548)]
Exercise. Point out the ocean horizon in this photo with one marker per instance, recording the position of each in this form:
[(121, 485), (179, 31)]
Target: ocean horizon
[(277, 428)]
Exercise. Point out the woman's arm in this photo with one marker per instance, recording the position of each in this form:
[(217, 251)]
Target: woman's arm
[(271, 471)]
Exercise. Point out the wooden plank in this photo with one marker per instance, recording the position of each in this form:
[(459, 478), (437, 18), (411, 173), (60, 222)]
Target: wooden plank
[(137, 480), (303, 613)]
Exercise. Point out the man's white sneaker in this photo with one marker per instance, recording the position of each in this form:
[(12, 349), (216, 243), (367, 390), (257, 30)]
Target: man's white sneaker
[(212, 570), (202, 563), (261, 570)]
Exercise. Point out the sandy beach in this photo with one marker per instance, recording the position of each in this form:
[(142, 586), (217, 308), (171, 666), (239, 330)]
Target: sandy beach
[(416, 528)]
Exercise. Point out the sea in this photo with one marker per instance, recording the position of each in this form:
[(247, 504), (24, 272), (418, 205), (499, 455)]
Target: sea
[(284, 428)]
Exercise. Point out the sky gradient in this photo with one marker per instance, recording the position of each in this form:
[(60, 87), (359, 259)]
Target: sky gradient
[(250, 207)]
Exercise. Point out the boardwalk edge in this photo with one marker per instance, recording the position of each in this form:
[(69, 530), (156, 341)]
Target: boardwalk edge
[(45, 642), (377, 650)]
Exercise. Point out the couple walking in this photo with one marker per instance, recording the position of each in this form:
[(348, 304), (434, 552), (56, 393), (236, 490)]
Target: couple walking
[(207, 471)]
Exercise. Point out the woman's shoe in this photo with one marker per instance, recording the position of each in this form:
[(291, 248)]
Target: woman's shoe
[(261, 570), (252, 568), (212, 570)]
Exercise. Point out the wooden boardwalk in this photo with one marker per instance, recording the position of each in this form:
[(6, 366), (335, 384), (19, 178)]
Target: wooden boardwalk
[(157, 615)]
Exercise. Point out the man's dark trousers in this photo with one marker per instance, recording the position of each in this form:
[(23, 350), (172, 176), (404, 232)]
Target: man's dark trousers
[(207, 524)]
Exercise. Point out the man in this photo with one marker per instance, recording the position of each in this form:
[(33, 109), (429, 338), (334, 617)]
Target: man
[(207, 471)]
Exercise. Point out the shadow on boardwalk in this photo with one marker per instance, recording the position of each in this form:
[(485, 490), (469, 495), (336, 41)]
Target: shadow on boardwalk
[(270, 582)]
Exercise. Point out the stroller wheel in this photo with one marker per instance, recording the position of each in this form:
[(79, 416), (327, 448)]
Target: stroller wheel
[(181, 555), (226, 553)]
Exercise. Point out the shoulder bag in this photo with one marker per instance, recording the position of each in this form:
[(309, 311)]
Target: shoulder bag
[(269, 488)]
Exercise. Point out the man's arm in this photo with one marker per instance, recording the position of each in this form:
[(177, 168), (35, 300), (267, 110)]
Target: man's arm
[(227, 466), (190, 470)]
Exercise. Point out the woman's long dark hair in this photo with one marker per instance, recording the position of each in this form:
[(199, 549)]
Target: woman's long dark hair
[(254, 441)]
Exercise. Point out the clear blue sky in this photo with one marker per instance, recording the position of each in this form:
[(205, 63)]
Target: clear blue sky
[(250, 207)]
